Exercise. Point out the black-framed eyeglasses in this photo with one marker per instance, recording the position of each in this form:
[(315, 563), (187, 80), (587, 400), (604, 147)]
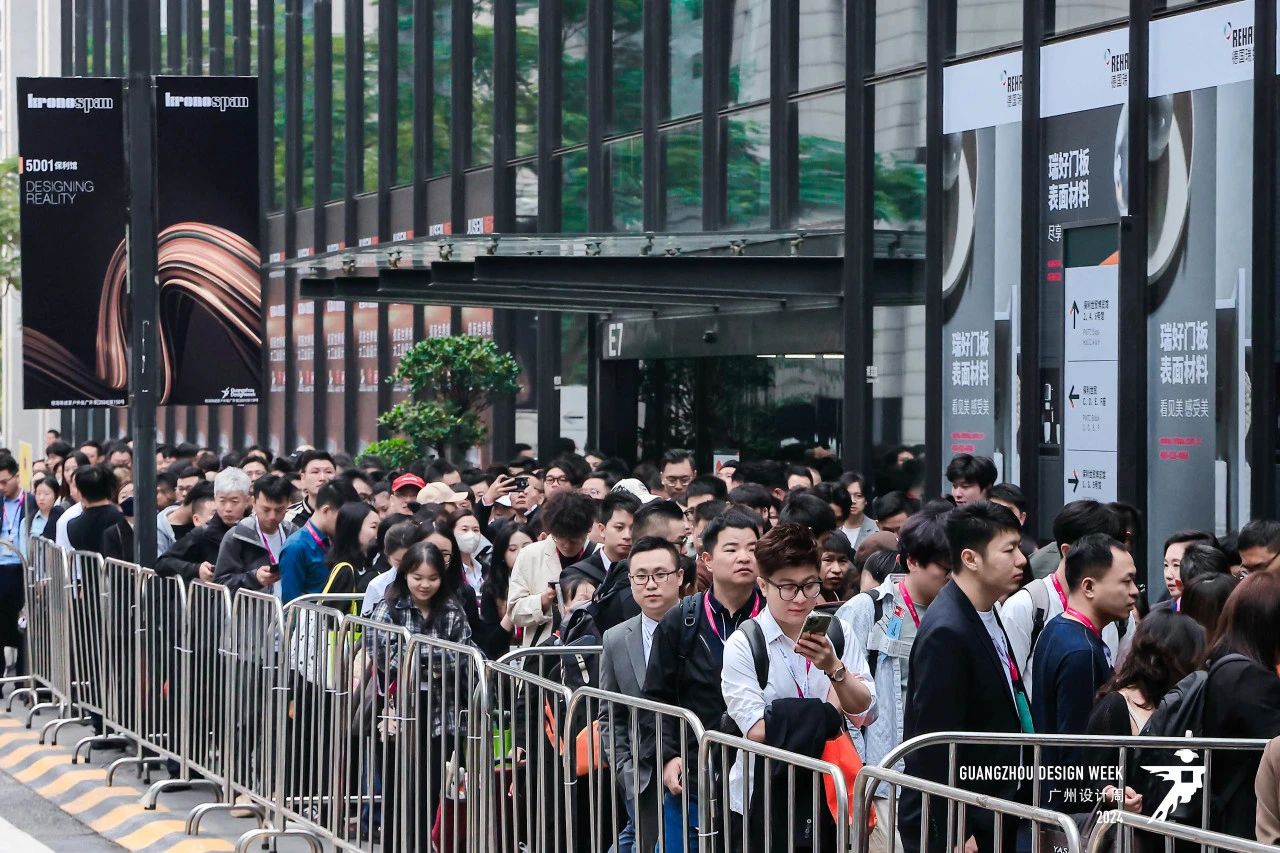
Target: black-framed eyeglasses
[(642, 581), (789, 591)]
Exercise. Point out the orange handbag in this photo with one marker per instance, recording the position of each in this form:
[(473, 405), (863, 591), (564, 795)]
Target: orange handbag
[(841, 752), (587, 754)]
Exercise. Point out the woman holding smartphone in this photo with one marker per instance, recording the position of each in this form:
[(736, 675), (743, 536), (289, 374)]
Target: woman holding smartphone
[(800, 694)]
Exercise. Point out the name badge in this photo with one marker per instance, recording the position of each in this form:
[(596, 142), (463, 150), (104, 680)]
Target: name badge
[(893, 627)]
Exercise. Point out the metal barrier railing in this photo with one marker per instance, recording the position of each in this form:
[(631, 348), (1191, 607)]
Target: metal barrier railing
[(749, 813), (958, 803), (119, 673), (36, 651), (1129, 826), (80, 616), (24, 652), (614, 779)]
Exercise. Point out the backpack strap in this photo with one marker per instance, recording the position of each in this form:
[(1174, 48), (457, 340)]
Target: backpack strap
[(689, 606), (1040, 602), (337, 570), (877, 613), (759, 651)]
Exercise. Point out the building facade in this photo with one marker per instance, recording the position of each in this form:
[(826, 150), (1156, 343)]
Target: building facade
[(739, 224)]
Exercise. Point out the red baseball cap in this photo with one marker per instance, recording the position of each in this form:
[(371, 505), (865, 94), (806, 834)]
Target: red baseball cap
[(407, 480)]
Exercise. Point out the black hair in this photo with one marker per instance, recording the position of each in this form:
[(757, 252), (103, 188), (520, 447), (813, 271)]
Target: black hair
[(809, 510), (734, 518), (8, 462), (1204, 597), (502, 535), (335, 493), (437, 469), (569, 514), (1090, 557), (1189, 536), (185, 450), (834, 493), (651, 513), (353, 474), (889, 505), (1008, 493), (95, 482), (309, 456), (799, 471), (880, 565), (765, 472), (345, 547), (618, 502), (676, 456), (96, 445), (1260, 533), (924, 537), (751, 495), (572, 472), (398, 531), (49, 481), (656, 543), (181, 471), (708, 510), (424, 553), (1166, 648), (1202, 559), (1078, 519), (1130, 519), (836, 542), (201, 491), (974, 526), (610, 478), (707, 485), (966, 468), (273, 487), (58, 448), (787, 546), (1250, 623)]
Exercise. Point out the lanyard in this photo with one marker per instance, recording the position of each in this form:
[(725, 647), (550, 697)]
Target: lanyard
[(802, 687), (911, 605), (266, 543), (1176, 607), (316, 536), (1057, 585), (711, 619), (4, 515), (1083, 620)]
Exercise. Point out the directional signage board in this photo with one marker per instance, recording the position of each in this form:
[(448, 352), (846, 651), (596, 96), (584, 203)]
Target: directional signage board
[(1090, 379)]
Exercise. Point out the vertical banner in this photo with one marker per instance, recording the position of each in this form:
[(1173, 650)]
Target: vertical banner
[(982, 111), (365, 320), (400, 329), (304, 348), (207, 175), (72, 207), (278, 344), (335, 366)]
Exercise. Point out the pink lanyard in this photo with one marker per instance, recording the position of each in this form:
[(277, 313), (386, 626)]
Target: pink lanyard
[(266, 543), (711, 619), (1057, 585), (316, 536), (911, 605), (1083, 620)]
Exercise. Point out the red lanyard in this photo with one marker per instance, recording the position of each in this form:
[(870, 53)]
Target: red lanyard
[(1057, 584), (1083, 620), (911, 605), (316, 536), (266, 543), (711, 619)]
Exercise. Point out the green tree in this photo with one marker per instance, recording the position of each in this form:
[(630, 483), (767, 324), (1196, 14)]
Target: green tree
[(451, 381), (10, 259)]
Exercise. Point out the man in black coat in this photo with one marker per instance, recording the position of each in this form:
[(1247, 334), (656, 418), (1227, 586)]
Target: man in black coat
[(249, 556), (962, 678), (194, 556)]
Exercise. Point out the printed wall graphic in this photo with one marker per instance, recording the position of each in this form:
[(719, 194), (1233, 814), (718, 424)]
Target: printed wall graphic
[(207, 195), (365, 320), (278, 344), (72, 200), (335, 378)]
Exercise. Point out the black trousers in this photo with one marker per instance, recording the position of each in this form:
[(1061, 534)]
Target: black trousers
[(13, 591)]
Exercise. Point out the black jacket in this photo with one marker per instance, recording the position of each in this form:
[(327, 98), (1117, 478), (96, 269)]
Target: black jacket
[(117, 542), (802, 726), (957, 683), (199, 546), (1242, 700), (241, 554)]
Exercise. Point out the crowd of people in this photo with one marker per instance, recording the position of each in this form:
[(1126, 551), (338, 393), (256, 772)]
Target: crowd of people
[(791, 604)]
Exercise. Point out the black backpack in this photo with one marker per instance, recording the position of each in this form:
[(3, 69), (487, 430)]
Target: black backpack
[(572, 668), (1179, 714)]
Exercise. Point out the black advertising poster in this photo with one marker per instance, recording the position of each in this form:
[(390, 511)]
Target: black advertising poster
[(208, 242), (72, 207)]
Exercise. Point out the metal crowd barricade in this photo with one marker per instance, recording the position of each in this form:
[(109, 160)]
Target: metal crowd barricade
[(626, 756), (958, 803), (527, 805), (82, 611), (117, 589), (1033, 752), (1130, 825), (763, 809), (33, 680), (49, 639)]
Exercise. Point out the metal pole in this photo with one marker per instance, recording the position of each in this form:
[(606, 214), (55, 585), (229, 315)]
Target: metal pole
[(143, 368)]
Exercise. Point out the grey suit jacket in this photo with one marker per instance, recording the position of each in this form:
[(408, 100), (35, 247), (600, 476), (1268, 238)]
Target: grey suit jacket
[(622, 670)]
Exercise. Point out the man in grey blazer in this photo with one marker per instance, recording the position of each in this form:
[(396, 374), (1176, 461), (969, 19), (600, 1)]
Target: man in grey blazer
[(655, 578)]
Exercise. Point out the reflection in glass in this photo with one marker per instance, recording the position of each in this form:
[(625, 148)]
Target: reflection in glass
[(526, 78), (900, 29), (442, 86), (573, 199), (626, 168), (526, 181), (369, 173), (747, 169), (404, 93), (338, 127), (821, 38), (899, 154), (308, 165), (573, 72), (1073, 14), (682, 148), (277, 85), (684, 58), (749, 52), (984, 24), (628, 63), (821, 156), (481, 82)]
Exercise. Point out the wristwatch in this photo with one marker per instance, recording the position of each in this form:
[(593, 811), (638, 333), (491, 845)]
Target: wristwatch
[(839, 674)]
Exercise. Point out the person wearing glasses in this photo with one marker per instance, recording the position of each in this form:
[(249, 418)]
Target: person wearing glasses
[(1259, 546), (677, 472), (654, 576), (831, 688)]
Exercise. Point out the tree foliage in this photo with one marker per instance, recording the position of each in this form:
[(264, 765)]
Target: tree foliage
[(451, 380), (395, 453), (10, 259)]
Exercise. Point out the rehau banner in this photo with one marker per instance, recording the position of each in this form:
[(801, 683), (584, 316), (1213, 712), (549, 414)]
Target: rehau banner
[(72, 202), (208, 244)]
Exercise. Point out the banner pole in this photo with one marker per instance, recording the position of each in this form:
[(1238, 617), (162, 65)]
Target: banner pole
[(144, 318)]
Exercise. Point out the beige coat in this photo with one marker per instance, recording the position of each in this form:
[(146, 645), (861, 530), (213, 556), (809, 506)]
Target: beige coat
[(1267, 786), (536, 566)]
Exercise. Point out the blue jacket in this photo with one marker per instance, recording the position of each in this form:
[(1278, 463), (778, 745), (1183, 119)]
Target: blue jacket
[(302, 568)]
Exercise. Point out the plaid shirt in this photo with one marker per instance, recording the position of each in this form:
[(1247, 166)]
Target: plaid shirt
[(435, 674)]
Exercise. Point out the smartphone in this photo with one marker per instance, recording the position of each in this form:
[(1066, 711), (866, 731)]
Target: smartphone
[(522, 483), (816, 623)]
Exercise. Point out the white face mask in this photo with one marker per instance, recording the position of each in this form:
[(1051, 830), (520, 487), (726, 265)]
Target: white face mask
[(468, 541)]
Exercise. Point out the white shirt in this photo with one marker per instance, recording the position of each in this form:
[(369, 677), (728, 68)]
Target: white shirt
[(375, 592), (474, 577), (789, 677), (72, 513), (989, 622), (647, 627), (1018, 615)]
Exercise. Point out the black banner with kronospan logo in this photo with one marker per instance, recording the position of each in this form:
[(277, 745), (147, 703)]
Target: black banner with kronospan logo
[(208, 241), (72, 202)]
